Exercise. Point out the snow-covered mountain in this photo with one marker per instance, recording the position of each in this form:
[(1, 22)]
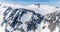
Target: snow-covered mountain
[(44, 8), (29, 18)]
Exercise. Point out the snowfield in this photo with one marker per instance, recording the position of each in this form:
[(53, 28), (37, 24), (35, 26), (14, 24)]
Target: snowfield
[(30, 18)]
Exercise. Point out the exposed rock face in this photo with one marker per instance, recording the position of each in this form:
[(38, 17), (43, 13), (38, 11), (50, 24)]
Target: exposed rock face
[(21, 19), (53, 20)]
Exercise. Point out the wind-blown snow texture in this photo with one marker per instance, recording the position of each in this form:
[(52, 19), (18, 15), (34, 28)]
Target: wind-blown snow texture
[(30, 18)]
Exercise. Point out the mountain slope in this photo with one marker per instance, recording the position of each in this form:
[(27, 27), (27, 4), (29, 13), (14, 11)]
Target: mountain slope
[(30, 18)]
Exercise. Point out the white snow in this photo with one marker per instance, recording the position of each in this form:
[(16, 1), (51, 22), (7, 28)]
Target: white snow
[(1, 18), (26, 17), (44, 9)]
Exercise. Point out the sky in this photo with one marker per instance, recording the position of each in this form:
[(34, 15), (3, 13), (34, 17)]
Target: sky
[(33, 0), (49, 2)]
